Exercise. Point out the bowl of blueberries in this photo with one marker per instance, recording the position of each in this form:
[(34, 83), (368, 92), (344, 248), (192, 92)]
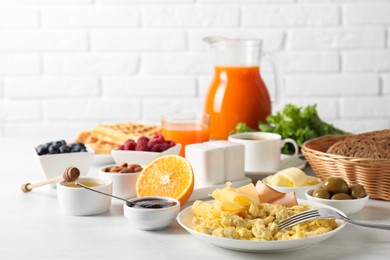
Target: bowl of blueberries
[(54, 157)]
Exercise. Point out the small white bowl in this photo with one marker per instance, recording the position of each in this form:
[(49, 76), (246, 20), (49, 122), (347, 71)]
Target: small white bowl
[(77, 201), (151, 218), (141, 157), (123, 184), (299, 191), (53, 165), (347, 206)]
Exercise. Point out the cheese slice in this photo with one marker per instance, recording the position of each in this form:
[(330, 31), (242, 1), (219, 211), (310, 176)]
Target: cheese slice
[(201, 208), (232, 199)]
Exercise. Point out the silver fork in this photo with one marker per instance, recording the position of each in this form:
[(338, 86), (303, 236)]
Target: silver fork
[(324, 213)]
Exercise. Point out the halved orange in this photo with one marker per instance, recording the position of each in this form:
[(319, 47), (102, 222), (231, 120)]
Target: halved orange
[(170, 176)]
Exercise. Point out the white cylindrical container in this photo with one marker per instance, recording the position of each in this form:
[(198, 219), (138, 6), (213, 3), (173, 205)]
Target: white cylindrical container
[(79, 201)]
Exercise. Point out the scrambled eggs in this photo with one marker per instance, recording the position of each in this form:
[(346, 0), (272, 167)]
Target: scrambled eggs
[(260, 222)]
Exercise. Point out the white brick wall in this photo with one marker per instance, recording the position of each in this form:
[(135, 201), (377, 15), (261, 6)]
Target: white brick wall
[(90, 64), (290, 15), (67, 65), (19, 64), (89, 17)]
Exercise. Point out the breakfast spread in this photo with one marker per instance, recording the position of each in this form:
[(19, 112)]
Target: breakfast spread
[(374, 145), (336, 188), (250, 212), (104, 138), (60, 146), (291, 177), (240, 214), (123, 168), (154, 192)]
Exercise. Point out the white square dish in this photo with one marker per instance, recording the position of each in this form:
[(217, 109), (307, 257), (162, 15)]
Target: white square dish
[(141, 157), (53, 165)]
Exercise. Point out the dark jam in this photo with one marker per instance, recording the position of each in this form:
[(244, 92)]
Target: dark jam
[(151, 203)]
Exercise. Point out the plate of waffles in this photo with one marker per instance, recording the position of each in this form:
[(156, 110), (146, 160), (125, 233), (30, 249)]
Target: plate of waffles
[(104, 138)]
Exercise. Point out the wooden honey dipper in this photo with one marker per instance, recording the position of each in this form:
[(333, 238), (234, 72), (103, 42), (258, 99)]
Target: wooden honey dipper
[(70, 174)]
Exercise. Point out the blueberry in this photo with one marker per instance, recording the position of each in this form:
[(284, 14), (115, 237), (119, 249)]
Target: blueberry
[(81, 145), (41, 149), (76, 148), (64, 149), (60, 143), (53, 149)]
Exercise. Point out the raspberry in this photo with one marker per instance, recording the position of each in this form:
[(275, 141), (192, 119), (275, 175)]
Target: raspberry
[(129, 145), (142, 144), (159, 136), (160, 147), (121, 147), (169, 143), (154, 141)]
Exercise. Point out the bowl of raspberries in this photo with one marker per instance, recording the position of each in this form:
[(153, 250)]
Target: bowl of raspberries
[(144, 150)]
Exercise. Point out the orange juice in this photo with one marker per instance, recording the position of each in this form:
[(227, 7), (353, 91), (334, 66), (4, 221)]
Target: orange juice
[(186, 134), (236, 94)]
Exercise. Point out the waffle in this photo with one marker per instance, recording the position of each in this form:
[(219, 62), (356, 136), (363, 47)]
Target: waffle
[(104, 138)]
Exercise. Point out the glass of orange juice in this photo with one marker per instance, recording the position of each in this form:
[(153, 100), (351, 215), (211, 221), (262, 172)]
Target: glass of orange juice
[(186, 128)]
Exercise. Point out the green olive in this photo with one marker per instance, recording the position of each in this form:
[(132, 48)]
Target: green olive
[(357, 191), (336, 185), (321, 193), (341, 196)]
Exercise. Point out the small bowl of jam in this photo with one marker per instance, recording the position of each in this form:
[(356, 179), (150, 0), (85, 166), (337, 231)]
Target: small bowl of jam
[(152, 212)]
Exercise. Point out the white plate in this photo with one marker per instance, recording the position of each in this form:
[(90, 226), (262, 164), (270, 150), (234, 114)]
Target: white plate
[(185, 220), (141, 157), (103, 159)]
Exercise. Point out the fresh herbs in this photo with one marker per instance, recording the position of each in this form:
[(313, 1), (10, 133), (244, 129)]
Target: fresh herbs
[(300, 124)]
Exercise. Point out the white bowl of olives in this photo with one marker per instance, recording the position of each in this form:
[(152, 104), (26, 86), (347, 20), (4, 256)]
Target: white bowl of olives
[(335, 192)]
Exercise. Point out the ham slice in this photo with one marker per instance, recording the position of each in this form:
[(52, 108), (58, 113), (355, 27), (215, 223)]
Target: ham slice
[(268, 195), (289, 199)]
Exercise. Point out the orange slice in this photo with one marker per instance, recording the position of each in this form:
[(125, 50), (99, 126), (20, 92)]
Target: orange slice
[(170, 176)]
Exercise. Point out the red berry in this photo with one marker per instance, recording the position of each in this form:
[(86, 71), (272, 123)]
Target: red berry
[(160, 147), (121, 147), (159, 136), (142, 144), (170, 143), (154, 141), (129, 145)]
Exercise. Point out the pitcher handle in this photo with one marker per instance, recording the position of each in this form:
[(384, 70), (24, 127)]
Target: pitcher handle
[(276, 72)]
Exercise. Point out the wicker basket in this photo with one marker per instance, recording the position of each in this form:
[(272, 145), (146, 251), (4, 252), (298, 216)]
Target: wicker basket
[(373, 174)]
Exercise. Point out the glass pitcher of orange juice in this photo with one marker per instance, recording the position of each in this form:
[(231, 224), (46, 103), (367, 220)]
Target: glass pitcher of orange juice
[(237, 92)]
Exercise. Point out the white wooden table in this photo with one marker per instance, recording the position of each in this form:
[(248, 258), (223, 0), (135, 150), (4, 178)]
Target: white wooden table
[(32, 226)]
